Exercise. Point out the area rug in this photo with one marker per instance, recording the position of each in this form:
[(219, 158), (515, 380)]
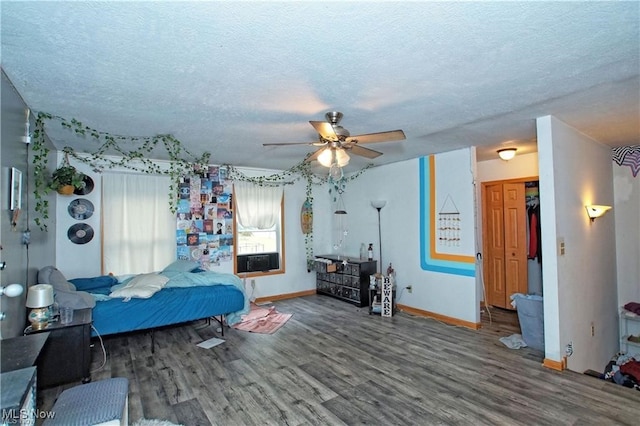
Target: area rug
[(153, 422), (262, 320)]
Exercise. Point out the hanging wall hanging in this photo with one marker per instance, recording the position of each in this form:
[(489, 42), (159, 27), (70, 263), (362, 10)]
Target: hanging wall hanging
[(449, 223)]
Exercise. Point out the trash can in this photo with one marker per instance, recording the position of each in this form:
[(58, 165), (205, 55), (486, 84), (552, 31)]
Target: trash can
[(531, 318)]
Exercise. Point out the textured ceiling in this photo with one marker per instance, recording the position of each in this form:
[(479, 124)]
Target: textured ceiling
[(226, 77)]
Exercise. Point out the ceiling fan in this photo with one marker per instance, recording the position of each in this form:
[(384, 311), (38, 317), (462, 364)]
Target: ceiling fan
[(334, 140)]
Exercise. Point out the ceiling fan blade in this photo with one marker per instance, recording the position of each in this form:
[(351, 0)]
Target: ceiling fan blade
[(364, 152), (393, 135), (314, 156), (325, 129), (289, 143)]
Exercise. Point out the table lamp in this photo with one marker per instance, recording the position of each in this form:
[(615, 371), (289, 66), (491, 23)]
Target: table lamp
[(39, 298)]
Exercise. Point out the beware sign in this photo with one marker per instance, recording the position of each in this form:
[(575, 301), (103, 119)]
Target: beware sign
[(387, 297)]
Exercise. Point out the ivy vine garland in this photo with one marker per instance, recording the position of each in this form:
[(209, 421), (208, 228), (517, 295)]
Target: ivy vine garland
[(182, 163)]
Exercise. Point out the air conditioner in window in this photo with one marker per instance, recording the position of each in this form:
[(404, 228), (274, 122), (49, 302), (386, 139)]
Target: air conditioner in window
[(261, 262)]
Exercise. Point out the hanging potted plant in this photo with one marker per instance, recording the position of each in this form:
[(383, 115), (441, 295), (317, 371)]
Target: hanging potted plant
[(66, 179)]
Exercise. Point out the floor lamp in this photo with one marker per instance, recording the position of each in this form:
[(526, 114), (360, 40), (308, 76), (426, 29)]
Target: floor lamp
[(378, 205)]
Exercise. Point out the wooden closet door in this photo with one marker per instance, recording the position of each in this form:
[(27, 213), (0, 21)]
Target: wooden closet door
[(505, 243), (494, 263), (515, 240)]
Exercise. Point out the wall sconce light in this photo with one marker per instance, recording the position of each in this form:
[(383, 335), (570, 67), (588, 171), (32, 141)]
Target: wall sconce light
[(507, 153), (12, 290), (596, 211)]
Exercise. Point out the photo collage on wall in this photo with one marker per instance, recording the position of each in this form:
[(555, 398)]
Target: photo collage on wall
[(204, 227)]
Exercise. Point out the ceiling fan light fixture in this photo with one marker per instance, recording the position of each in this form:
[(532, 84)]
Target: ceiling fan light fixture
[(334, 140), (333, 117), (335, 172), (325, 158), (342, 158), (331, 156), (507, 153), (341, 132)]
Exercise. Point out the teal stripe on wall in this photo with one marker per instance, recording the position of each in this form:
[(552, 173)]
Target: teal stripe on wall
[(426, 262)]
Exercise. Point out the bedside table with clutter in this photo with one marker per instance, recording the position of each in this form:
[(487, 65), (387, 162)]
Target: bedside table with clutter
[(66, 356)]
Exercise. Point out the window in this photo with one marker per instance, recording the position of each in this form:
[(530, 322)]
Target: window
[(259, 230), (254, 240), (138, 229)]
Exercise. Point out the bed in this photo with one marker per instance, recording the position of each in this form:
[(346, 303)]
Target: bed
[(181, 292)]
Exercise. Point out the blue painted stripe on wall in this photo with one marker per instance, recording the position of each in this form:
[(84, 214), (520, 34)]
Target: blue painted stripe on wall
[(426, 262)]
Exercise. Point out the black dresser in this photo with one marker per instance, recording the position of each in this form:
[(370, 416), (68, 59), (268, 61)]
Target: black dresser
[(346, 278)]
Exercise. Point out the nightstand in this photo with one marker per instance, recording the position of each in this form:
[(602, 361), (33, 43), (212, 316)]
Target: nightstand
[(66, 357)]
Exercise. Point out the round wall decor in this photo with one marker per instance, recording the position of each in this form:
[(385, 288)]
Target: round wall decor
[(88, 186), (80, 233), (80, 209)]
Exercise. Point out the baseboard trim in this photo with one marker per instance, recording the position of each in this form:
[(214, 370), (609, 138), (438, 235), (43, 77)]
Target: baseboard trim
[(285, 296), (439, 317), (554, 365)]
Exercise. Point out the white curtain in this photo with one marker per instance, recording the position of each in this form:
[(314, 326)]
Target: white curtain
[(139, 230), (257, 206)]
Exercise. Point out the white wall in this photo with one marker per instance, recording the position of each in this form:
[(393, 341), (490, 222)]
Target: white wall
[(579, 287), (520, 166), (445, 294), (77, 260), (626, 211), (297, 278)]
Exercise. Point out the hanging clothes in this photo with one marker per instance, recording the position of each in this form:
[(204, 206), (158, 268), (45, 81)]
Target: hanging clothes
[(535, 243), (533, 235)]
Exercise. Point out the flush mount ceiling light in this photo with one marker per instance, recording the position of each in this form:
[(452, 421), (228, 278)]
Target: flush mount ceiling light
[(507, 153), (595, 211)]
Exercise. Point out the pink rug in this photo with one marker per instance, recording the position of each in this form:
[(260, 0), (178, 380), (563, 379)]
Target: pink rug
[(262, 320)]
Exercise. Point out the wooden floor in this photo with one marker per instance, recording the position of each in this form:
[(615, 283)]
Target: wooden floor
[(334, 364)]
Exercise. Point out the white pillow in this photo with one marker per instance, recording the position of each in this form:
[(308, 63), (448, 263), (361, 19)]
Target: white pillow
[(143, 286)]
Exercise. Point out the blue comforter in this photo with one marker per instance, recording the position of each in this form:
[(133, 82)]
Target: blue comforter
[(191, 279), (209, 278), (187, 296)]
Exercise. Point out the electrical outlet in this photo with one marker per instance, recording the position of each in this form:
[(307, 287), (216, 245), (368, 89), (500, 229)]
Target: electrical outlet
[(410, 289), (568, 350), (593, 329), (253, 284)]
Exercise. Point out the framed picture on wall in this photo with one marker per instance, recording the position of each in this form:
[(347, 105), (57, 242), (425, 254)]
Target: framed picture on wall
[(15, 202)]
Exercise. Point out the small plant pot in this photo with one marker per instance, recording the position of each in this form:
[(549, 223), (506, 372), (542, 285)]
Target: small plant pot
[(66, 190)]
